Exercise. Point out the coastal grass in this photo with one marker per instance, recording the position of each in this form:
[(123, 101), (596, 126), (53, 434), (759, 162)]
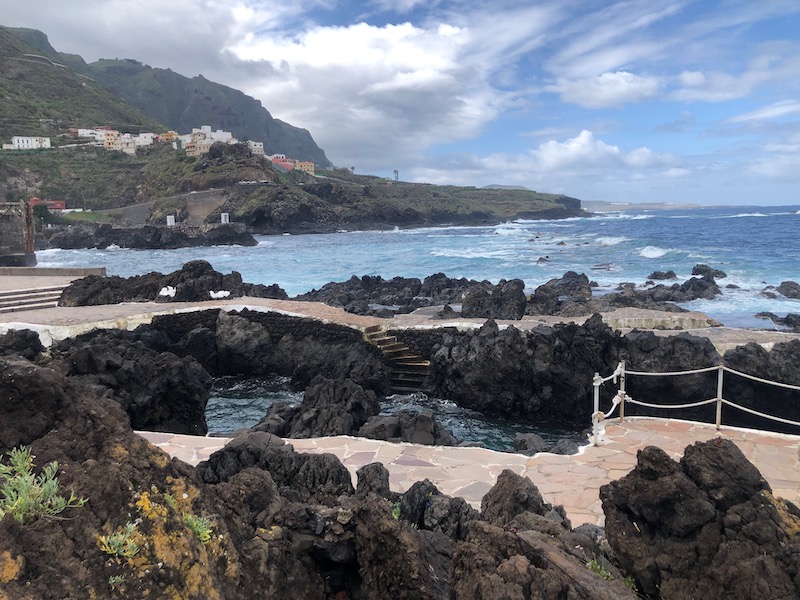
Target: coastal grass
[(27, 496)]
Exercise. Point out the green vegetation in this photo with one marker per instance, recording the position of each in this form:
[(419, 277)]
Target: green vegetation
[(120, 544), (40, 97), (596, 567), (396, 511), (96, 179), (27, 496), (170, 501), (200, 526), (179, 103), (115, 581)]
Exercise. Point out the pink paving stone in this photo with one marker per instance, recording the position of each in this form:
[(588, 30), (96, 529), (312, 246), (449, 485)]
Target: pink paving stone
[(551, 469), (477, 489), (411, 461), (156, 437), (586, 471), (360, 458)]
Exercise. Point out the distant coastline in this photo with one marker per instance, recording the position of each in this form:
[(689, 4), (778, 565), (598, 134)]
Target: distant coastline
[(603, 206)]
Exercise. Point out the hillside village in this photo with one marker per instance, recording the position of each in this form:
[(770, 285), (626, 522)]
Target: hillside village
[(196, 143)]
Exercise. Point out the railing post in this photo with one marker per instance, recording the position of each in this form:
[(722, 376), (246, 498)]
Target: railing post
[(622, 392), (720, 374), (596, 381)]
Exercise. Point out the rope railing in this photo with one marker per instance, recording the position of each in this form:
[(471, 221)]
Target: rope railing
[(622, 397)]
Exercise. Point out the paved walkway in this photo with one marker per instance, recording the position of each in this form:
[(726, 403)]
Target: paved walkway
[(573, 481)]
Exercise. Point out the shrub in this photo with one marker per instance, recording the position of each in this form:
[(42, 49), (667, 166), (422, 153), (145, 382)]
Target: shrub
[(27, 496), (200, 526), (120, 543)]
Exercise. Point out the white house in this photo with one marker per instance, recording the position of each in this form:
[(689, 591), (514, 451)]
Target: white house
[(23, 142), (256, 148), (145, 139)]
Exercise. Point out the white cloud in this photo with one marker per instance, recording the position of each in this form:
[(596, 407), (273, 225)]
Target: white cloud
[(786, 167), (773, 111), (607, 90)]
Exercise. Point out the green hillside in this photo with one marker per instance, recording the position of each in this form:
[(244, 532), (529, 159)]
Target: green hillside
[(40, 97), (341, 200), (97, 179), (182, 103)]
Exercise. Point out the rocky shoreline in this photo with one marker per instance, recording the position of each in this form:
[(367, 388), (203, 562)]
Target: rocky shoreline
[(258, 519), (292, 525)]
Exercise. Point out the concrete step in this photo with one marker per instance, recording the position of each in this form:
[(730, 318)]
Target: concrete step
[(32, 299), (410, 368), (22, 307), (57, 289)]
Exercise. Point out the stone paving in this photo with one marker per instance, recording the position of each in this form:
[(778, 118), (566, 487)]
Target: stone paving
[(573, 481)]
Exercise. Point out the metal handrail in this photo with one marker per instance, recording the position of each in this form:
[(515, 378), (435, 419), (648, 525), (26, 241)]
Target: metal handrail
[(621, 396)]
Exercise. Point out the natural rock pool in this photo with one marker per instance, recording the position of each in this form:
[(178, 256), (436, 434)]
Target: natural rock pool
[(238, 402)]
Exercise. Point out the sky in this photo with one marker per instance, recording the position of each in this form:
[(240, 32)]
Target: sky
[(686, 101)]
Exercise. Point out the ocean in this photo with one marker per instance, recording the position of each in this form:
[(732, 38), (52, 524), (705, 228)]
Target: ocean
[(755, 246)]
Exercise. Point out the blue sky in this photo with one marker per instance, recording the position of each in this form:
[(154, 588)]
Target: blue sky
[(694, 101)]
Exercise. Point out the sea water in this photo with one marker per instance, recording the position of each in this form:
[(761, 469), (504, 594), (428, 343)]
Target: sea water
[(237, 403), (756, 246)]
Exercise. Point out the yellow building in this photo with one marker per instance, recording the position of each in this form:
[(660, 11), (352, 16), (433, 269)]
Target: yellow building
[(305, 166), (169, 136), (112, 141)]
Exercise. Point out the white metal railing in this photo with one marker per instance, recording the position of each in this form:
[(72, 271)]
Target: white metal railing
[(622, 397)]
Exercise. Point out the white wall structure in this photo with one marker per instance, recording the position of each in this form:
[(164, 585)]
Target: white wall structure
[(23, 142), (256, 148)]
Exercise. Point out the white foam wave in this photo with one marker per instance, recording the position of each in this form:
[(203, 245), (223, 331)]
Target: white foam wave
[(509, 231), (611, 241), (467, 253), (743, 215), (623, 216), (653, 252)]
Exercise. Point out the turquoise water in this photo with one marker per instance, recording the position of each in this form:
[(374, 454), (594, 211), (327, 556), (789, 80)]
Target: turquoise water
[(755, 246)]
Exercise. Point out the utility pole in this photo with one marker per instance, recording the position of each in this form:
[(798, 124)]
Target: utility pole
[(396, 175)]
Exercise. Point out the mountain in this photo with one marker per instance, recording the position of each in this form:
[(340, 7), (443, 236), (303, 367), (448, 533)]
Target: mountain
[(41, 96), (182, 103)]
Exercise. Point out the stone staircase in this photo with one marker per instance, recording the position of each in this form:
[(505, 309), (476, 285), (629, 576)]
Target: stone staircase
[(30, 299), (408, 371)]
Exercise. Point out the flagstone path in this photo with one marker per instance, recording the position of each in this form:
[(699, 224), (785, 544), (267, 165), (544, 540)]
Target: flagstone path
[(573, 481)]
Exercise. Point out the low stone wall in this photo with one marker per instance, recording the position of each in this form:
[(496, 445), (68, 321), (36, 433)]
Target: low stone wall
[(51, 271)]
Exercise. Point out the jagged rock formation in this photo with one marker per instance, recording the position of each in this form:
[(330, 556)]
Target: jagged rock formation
[(194, 282), (158, 390), (705, 527), (506, 300), (148, 237)]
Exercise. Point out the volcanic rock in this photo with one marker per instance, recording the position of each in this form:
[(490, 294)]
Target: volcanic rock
[(408, 426), (506, 300), (660, 275), (426, 507), (149, 237), (706, 527), (790, 289), (707, 272), (329, 407), (194, 282), (158, 390), (529, 443), (21, 342)]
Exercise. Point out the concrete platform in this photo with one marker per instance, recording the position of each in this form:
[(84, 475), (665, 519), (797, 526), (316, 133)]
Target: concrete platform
[(573, 481)]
